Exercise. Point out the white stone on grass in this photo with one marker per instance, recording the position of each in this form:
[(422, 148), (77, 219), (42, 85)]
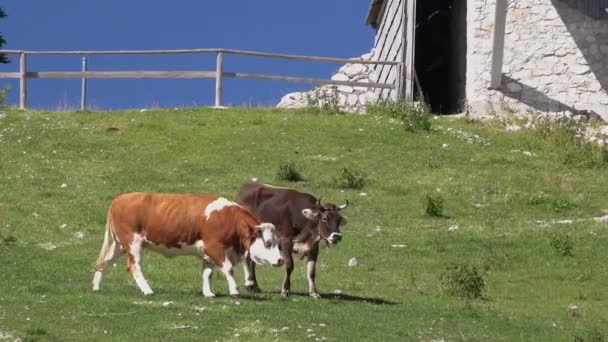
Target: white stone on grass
[(453, 228), (353, 262)]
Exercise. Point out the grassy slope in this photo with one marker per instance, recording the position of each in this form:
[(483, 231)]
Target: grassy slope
[(46, 294)]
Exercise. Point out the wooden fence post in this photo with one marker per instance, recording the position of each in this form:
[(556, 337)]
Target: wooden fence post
[(498, 46), (83, 86), (219, 70), (22, 81)]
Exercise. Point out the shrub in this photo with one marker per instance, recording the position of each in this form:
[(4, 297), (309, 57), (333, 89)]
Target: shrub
[(415, 116), (463, 280), (349, 179), (567, 137), (433, 205), (562, 243), (3, 95), (289, 171), (324, 101)]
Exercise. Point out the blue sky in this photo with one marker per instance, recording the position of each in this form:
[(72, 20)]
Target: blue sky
[(333, 28)]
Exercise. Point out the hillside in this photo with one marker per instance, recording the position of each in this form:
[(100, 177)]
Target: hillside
[(514, 209)]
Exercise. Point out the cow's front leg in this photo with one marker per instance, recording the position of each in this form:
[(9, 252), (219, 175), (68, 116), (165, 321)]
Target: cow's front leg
[(311, 268), (251, 283), (287, 250)]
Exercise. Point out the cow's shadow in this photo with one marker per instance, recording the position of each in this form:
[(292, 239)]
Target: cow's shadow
[(348, 298), (275, 295)]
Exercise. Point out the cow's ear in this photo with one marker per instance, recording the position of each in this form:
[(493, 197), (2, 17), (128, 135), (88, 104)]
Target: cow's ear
[(310, 214), (256, 232)]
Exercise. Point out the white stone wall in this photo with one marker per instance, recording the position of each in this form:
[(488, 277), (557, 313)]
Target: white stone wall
[(345, 98), (556, 58)]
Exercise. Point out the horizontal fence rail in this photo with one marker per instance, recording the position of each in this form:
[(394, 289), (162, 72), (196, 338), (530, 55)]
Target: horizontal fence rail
[(219, 74)]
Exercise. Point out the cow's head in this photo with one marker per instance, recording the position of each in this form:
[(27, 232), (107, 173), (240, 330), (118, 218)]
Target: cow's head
[(264, 248), (327, 219)]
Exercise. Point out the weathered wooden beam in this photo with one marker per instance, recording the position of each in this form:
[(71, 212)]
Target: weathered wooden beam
[(121, 74), (10, 75), (23, 81), (309, 80), (195, 51), (83, 86), (219, 78), (500, 22), (409, 50)]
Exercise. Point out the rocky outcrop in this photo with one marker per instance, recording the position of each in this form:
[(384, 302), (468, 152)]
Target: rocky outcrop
[(344, 98)]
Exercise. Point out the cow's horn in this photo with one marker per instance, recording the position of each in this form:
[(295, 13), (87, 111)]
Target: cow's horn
[(343, 205)]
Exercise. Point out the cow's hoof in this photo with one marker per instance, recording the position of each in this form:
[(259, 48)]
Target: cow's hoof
[(148, 293), (234, 294), (315, 295), (253, 288), (284, 293), (209, 295)]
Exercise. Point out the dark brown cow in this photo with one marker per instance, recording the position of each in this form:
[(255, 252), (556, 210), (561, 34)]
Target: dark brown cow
[(302, 221), (214, 229)]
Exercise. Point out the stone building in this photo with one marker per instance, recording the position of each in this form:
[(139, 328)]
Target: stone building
[(519, 55)]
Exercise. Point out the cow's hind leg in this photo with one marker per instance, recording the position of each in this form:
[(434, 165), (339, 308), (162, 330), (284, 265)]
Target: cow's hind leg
[(251, 283), (228, 270), (207, 272), (134, 255), (110, 250), (287, 250)]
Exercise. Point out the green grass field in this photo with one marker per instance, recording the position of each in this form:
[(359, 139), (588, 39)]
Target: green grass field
[(495, 187)]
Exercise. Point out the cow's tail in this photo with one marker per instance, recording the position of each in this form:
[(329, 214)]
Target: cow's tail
[(108, 244)]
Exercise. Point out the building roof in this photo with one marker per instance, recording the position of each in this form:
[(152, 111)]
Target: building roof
[(374, 13)]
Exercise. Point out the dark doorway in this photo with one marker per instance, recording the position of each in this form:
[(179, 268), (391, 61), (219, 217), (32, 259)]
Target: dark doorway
[(441, 50)]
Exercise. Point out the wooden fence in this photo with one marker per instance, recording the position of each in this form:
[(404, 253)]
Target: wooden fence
[(24, 73)]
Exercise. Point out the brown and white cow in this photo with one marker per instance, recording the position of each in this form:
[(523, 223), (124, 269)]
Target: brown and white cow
[(218, 231), (302, 221)]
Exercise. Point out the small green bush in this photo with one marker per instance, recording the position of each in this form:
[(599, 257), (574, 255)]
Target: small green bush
[(562, 243), (324, 102), (3, 95), (566, 136), (290, 172), (433, 205), (415, 116), (463, 280), (349, 179), (593, 335)]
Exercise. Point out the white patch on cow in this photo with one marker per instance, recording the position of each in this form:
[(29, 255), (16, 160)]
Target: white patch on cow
[(195, 249), (301, 247), (309, 214), (267, 232), (217, 205), (135, 250)]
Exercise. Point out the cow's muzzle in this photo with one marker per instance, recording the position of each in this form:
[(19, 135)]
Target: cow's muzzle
[(334, 238), (279, 263)]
